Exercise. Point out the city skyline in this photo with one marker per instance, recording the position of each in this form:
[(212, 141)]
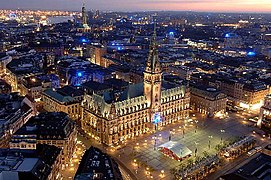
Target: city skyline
[(263, 6), (135, 89)]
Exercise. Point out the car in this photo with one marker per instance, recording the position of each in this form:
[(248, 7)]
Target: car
[(258, 149), (260, 133), (226, 154), (251, 152), (190, 120)]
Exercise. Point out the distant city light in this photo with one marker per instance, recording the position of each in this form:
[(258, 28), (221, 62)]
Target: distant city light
[(227, 35), (120, 48), (83, 40), (79, 74), (251, 53), (171, 33), (12, 16)]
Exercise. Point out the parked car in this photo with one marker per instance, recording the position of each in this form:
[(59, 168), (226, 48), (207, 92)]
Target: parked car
[(258, 149), (252, 152)]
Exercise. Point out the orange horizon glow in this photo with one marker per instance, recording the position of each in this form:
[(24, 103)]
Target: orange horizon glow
[(145, 5), (209, 5)]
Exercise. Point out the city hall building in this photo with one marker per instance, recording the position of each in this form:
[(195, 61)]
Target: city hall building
[(113, 117)]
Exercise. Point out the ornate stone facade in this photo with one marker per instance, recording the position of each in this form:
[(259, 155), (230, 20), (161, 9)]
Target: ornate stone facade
[(113, 117)]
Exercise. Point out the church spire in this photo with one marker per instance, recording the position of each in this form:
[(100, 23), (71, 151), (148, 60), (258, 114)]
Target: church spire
[(84, 14)]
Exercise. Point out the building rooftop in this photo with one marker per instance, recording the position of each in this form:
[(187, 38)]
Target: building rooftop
[(65, 94), (210, 93), (132, 91), (11, 108), (28, 164), (255, 86), (55, 125), (97, 165), (26, 65), (95, 86), (257, 168)]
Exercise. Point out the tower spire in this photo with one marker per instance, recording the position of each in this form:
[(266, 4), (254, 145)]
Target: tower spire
[(154, 29), (153, 64), (154, 36), (84, 15)]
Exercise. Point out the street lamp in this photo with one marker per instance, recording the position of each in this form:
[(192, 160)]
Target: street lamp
[(155, 138), (147, 171), (196, 150), (196, 126), (210, 137), (222, 131), (183, 131)]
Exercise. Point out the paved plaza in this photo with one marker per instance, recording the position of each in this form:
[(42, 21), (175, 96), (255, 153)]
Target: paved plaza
[(143, 159)]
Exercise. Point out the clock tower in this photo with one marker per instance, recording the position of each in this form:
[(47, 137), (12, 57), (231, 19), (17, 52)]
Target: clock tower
[(153, 81)]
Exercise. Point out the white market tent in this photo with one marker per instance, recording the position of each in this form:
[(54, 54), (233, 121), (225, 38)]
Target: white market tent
[(178, 149)]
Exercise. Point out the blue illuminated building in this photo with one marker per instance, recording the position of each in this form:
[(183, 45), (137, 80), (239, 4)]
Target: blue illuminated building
[(227, 35), (84, 40), (12, 16), (171, 33), (79, 74), (251, 53)]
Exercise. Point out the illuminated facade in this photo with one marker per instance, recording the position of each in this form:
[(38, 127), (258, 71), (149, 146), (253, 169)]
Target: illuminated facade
[(249, 95), (96, 54), (113, 117), (208, 101), (265, 113), (66, 99), (15, 112), (47, 128)]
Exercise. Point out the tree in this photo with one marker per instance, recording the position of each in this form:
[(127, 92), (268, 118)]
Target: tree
[(190, 162), (182, 166), (173, 171), (205, 154), (198, 159), (218, 147)]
